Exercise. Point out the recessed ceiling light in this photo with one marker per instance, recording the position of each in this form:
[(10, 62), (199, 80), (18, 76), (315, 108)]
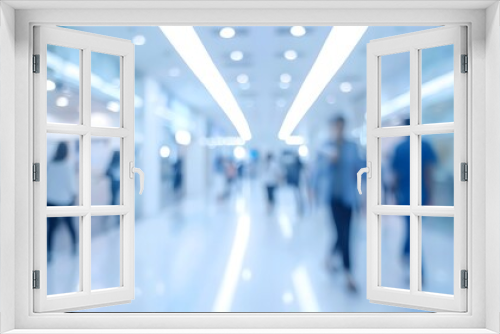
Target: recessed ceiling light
[(239, 152), (183, 137), (51, 85), (164, 151), (242, 78), (188, 45), (286, 78), (227, 32), (298, 31), (174, 72), (139, 40), (113, 106), (284, 85), (62, 101), (345, 87), (337, 48), (290, 54), (236, 55)]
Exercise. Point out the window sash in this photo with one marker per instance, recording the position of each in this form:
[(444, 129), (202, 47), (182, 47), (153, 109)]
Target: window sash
[(86, 297), (413, 43)]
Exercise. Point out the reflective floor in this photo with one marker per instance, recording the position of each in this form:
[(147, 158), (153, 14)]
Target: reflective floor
[(203, 255)]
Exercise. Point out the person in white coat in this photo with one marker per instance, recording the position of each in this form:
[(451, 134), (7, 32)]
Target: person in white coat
[(272, 178)]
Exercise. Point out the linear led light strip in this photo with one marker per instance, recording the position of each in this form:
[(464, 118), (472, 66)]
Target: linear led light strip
[(429, 88), (187, 43), (337, 48)]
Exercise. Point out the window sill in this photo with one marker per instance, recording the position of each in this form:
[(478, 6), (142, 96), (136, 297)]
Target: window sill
[(249, 331)]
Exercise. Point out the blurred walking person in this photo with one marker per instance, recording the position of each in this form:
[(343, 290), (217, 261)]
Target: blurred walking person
[(178, 177), (61, 191), (400, 166), (343, 162), (271, 178), (294, 178), (113, 172)]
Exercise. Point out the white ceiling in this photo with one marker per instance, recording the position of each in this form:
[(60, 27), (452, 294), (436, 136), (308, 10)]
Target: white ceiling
[(264, 104)]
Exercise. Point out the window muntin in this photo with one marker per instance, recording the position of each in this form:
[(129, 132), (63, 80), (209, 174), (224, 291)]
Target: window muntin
[(423, 160), (63, 196)]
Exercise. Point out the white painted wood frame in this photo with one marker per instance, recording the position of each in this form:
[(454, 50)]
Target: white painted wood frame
[(86, 43), (413, 43), (17, 224)]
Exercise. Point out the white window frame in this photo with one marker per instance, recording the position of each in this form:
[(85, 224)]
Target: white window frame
[(413, 44), (86, 44), (16, 228)]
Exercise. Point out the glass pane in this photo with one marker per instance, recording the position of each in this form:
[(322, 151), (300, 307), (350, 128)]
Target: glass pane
[(437, 254), (437, 84), (63, 85), (437, 169), (395, 88), (63, 169), (395, 251), (395, 170), (63, 255), (105, 171), (106, 246), (105, 80)]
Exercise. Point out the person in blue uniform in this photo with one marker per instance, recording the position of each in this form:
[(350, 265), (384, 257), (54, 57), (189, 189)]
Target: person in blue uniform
[(342, 163), (400, 166)]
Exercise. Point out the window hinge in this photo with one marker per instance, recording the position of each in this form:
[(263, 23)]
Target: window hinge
[(36, 63), (464, 168), (36, 172), (464, 279), (465, 64), (36, 279)]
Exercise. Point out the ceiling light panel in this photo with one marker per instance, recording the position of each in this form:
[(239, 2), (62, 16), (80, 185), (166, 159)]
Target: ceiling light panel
[(187, 43), (337, 48)]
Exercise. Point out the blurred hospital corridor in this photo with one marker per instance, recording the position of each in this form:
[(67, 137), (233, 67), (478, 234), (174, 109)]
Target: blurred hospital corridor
[(246, 207)]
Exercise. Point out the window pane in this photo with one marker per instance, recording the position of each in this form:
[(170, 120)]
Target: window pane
[(437, 84), (437, 254), (395, 169), (105, 80), (395, 88), (63, 255), (63, 85), (106, 246), (63, 169), (395, 251), (437, 169), (106, 170)]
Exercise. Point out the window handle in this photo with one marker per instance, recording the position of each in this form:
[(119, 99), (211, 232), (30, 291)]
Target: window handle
[(134, 170), (368, 171)]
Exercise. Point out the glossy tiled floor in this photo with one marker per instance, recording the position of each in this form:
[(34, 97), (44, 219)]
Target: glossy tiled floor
[(203, 255)]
